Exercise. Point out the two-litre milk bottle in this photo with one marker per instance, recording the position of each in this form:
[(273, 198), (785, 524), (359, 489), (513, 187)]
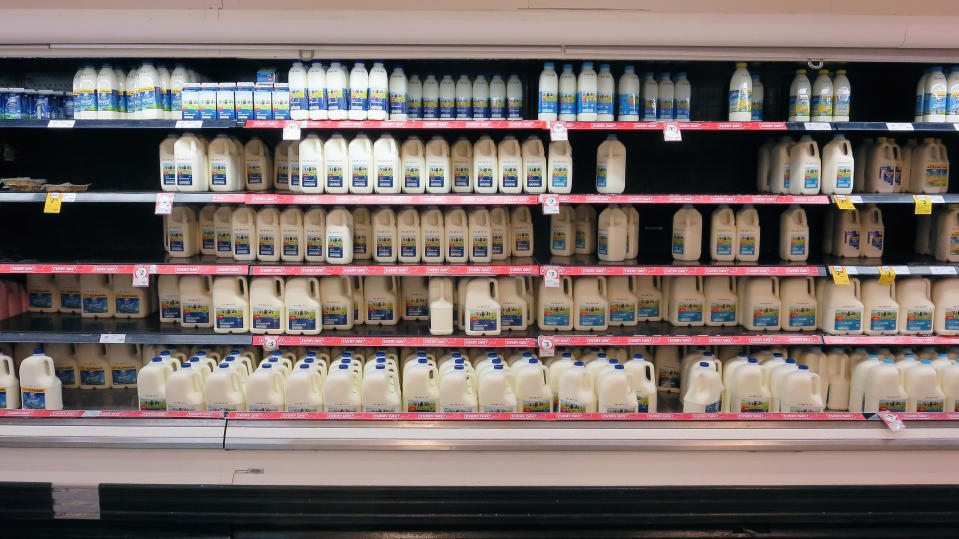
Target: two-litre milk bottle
[(267, 305), (805, 167), (304, 310), (611, 166), (722, 234), (793, 235), (231, 303), (687, 234), (747, 234), (838, 166)]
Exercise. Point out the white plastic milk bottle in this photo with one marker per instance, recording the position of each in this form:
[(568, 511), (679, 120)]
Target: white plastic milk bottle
[(337, 296), (945, 296), (805, 167), (704, 392), (438, 177), (361, 164), (721, 301), (441, 306), (916, 310), (534, 165), (591, 306), (560, 167), (40, 389), (339, 236), (485, 166), (555, 306), (793, 235), (384, 235), (196, 301), (685, 301), (798, 303), (231, 303), (151, 384), (9, 385), (687, 233), (722, 234), (838, 166), (611, 235), (747, 234), (611, 166), (461, 165)]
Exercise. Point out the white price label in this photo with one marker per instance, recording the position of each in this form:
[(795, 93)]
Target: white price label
[(942, 270), (551, 277), (550, 205), (558, 131), (546, 347), (937, 199), (897, 126), (900, 270), (291, 131), (68, 197), (164, 204), (189, 124), (61, 123), (141, 276), (113, 338), (852, 270), (671, 133), (817, 126)]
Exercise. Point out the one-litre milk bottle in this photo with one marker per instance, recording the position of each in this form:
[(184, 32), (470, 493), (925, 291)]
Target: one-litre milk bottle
[(799, 97), (666, 97), (740, 94), (611, 166), (481, 97), (722, 234), (822, 97), (687, 233), (548, 93), (430, 96), (316, 91), (629, 95), (231, 303), (399, 101)]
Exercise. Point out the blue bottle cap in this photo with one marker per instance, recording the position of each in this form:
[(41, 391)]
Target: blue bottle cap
[(157, 360), (753, 361), (304, 366), (578, 363), (790, 361), (804, 367)]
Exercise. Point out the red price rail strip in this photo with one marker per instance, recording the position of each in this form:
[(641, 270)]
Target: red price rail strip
[(276, 198), (393, 124), (689, 270), (201, 269), (683, 126), (690, 199), (430, 342), (41, 413), (396, 270), (119, 269), (418, 416), (688, 340), (151, 414), (866, 340)]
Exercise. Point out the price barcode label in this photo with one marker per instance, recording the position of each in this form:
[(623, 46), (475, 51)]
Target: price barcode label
[(817, 126), (61, 124), (558, 131), (894, 126), (292, 131), (113, 338), (839, 275), (189, 124)]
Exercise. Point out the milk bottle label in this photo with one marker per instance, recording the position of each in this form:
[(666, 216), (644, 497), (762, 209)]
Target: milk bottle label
[(41, 300), (799, 105), (747, 244), (95, 303), (461, 176), (665, 109), (384, 246), (152, 404), (811, 178), (33, 398), (797, 243), (952, 319), (398, 103), (499, 243), (874, 239), (92, 375), (847, 320), (294, 174), (336, 99), (720, 311), (559, 176), (431, 246), (740, 100), (384, 176), (681, 108), (649, 108), (334, 175), (85, 100), (571, 407), (184, 172), (266, 318), (291, 244), (310, 174), (217, 173), (430, 107), (534, 176), (208, 237), (756, 114), (411, 177), (766, 317), (892, 405), (556, 315), (690, 311), (547, 102), (929, 405), (125, 374), (266, 244), (669, 378), (480, 247), (359, 99), (314, 245), (317, 98), (254, 172), (450, 107), (484, 176), (586, 102), (713, 408), (457, 246), (67, 376), (380, 310), (679, 243), (150, 97), (360, 175), (127, 303), (786, 176), (282, 173), (334, 247), (511, 316), (628, 104), (601, 173), (580, 238), (567, 103), (753, 405), (843, 177), (887, 175), (437, 177), (522, 238), (536, 406), (852, 238), (648, 308), (377, 99), (622, 311), (497, 108), (481, 109), (954, 244), (936, 103), (936, 175), (229, 317), (302, 319), (840, 105), (604, 103), (822, 105), (482, 320), (724, 243), (298, 99), (592, 315), (224, 241), (169, 307), (559, 239), (421, 405), (510, 176), (169, 172), (918, 320), (417, 307), (175, 240), (334, 315), (70, 300), (801, 316), (196, 313), (408, 245)]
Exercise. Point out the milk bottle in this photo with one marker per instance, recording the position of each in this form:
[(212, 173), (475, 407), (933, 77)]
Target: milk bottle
[(438, 178), (802, 392), (723, 235), (873, 231), (822, 97), (616, 393), (457, 391), (930, 168), (258, 165), (189, 155), (168, 163), (837, 167), (612, 231), (934, 96), (945, 296), (303, 390), (763, 164), (629, 95), (361, 164), (268, 234), (42, 293), (740, 94), (567, 98), (533, 393), (337, 296), (85, 92), (316, 91), (481, 97), (339, 236), (384, 235), (420, 387), (414, 165), (880, 170), (685, 301), (281, 165), (761, 304), (521, 232), (841, 310), (96, 296), (841, 97), (798, 304), (68, 286), (560, 167), (359, 92), (314, 235), (591, 305), (362, 233), (916, 308), (682, 95), (299, 104), (611, 166), (857, 381), (949, 380), (311, 169), (721, 301), (622, 300), (224, 390), (40, 389), (414, 303), (267, 305), (548, 93), (836, 379), (779, 168), (151, 384), (747, 234), (632, 232), (441, 306), (687, 233), (196, 300), (94, 366), (512, 299), (184, 390), (433, 234), (665, 100), (431, 97), (758, 99), (649, 299), (482, 310), (799, 96), (486, 166), (380, 390), (378, 101), (777, 375), (510, 166), (946, 233), (231, 303), (749, 392), (291, 235), (265, 391), (804, 167), (730, 366), (399, 102), (922, 387), (302, 306), (705, 390), (555, 306), (846, 240), (336, 157), (650, 95), (499, 233), (668, 368), (457, 236), (794, 234), (182, 232), (575, 392), (461, 166), (883, 389), (643, 383), (586, 93), (449, 92), (381, 301), (408, 236), (207, 229)]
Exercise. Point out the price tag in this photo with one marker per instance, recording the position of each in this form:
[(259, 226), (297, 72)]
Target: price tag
[(558, 131), (843, 202), (942, 270), (550, 205), (291, 131), (892, 126), (61, 124), (671, 133), (891, 419), (113, 338), (551, 277), (141, 276), (937, 199), (270, 344), (68, 197), (887, 275), (546, 346), (164, 204), (839, 275), (817, 126), (923, 204), (52, 203), (189, 124)]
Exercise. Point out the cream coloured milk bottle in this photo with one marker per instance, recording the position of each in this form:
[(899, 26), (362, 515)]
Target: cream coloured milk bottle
[(40, 389), (381, 390), (880, 168), (413, 165), (456, 250), (438, 177), (168, 298), (420, 387), (555, 306), (339, 236), (151, 384), (441, 306), (231, 304), (590, 304), (798, 312), (687, 233), (259, 165), (685, 301), (243, 225), (722, 234), (292, 241), (42, 293), (761, 304), (303, 307), (800, 92), (841, 310), (336, 158), (361, 164), (510, 160), (649, 298), (168, 163), (461, 166), (338, 305), (632, 231), (499, 233), (267, 305), (384, 235), (740, 94), (721, 301), (623, 302), (414, 303), (533, 392), (514, 308), (224, 390), (805, 167), (559, 167), (482, 310), (916, 309), (268, 241), (184, 390), (433, 234), (342, 391), (836, 379), (207, 229), (779, 166), (644, 383), (182, 232), (196, 301), (802, 392), (387, 165), (611, 235), (378, 100), (304, 390), (314, 235), (485, 166), (949, 379), (585, 230), (923, 388), (480, 236), (945, 296), (223, 231), (873, 232), (480, 95), (97, 298), (883, 389), (189, 154), (224, 158), (747, 234), (929, 168), (520, 234), (399, 95), (848, 234), (611, 166), (264, 389), (382, 300), (130, 301), (309, 153), (409, 236), (575, 390), (95, 369), (945, 235), (668, 368), (838, 166), (793, 234), (68, 286), (534, 165)]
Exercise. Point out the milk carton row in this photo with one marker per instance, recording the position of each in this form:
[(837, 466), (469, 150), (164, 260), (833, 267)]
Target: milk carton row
[(854, 233), (938, 234), (147, 92), (880, 166), (827, 99), (338, 166), (340, 236), (937, 96), (31, 104), (93, 296), (592, 97)]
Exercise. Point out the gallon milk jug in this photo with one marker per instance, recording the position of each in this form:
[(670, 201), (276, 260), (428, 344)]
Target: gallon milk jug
[(223, 231), (555, 305), (457, 234), (837, 166), (339, 236), (612, 231), (510, 160), (304, 311), (40, 388), (747, 234), (461, 164), (68, 286), (384, 235), (382, 301), (268, 235), (381, 390), (945, 235), (168, 163), (259, 165), (685, 301), (643, 383), (622, 300), (342, 391), (798, 303), (409, 238), (585, 230), (306, 173), (196, 301), (441, 306), (182, 232), (225, 389), (611, 166), (336, 157), (359, 300), (267, 305), (841, 308), (42, 293), (873, 232), (314, 235), (224, 159), (722, 234), (264, 389), (124, 363), (945, 295), (521, 232), (304, 390), (534, 165), (730, 366), (337, 296), (438, 177), (291, 235), (457, 391), (485, 166), (482, 311), (804, 167), (387, 165), (591, 305), (880, 173), (916, 309), (243, 227), (575, 390), (97, 296), (881, 311), (560, 167), (513, 305), (883, 389), (420, 387), (361, 164), (922, 386), (189, 154), (761, 304), (433, 236), (704, 391), (748, 392), (480, 236), (495, 392), (632, 232), (949, 378), (802, 392), (95, 369), (615, 392), (848, 234), (649, 298), (793, 235), (779, 163), (207, 229), (930, 168), (721, 301), (413, 165), (533, 392), (184, 390), (231, 303), (687, 233), (763, 163), (151, 384)]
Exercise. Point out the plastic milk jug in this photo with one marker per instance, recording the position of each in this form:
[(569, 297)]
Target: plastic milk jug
[(922, 385), (802, 392), (555, 305), (511, 168), (805, 167), (385, 243), (485, 166), (42, 293), (616, 393), (184, 390), (880, 173), (259, 165), (420, 387), (949, 380), (747, 234), (612, 230), (533, 392), (68, 288), (381, 390), (97, 296), (880, 309), (94, 366), (721, 301), (883, 389), (793, 235), (916, 309), (223, 231), (40, 389), (293, 166), (685, 301), (386, 165), (848, 234), (151, 384), (130, 301), (457, 246), (268, 240), (763, 164), (480, 236), (267, 305), (334, 175), (361, 164), (722, 234), (196, 301), (945, 295), (243, 227), (836, 380), (730, 366), (461, 165), (457, 391), (207, 229), (837, 166), (611, 166), (513, 305), (182, 232), (857, 381), (339, 236), (382, 301), (534, 165), (441, 306), (408, 239), (231, 303), (798, 311), (342, 391), (303, 390), (433, 234), (168, 163), (946, 234), (649, 298), (779, 166), (740, 94), (495, 391), (591, 306), (281, 165), (303, 308), (336, 293), (438, 175), (413, 166), (704, 392), (314, 235), (873, 232), (622, 300), (65, 363), (687, 233), (841, 308), (761, 304), (224, 161), (307, 175), (225, 390), (559, 167), (748, 392), (575, 390), (291, 235), (359, 300), (189, 155), (930, 168), (264, 390), (585, 230), (643, 383), (482, 310)]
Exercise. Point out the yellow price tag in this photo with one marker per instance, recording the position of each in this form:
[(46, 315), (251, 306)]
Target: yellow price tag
[(843, 202), (839, 275), (923, 204), (887, 275), (52, 203)]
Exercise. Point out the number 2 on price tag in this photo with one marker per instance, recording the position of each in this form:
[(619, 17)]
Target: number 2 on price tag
[(839, 274)]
